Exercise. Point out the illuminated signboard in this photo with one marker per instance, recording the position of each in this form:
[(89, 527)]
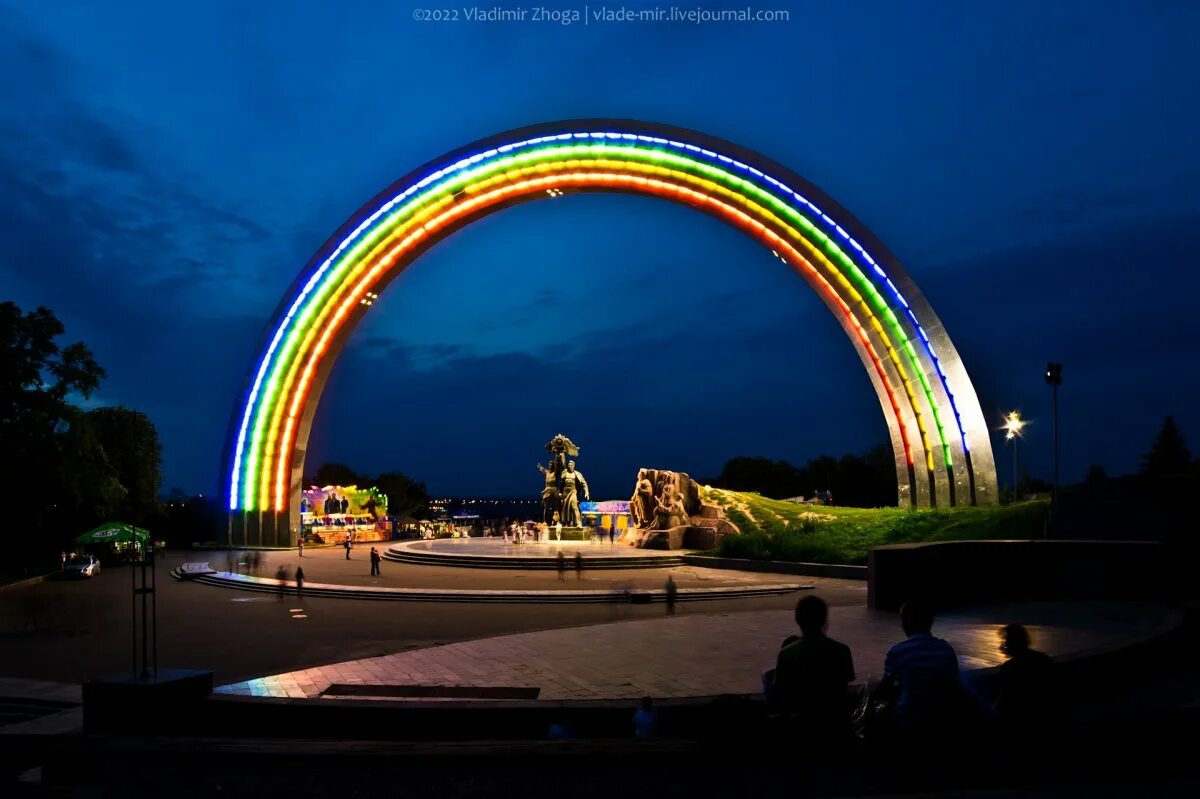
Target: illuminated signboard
[(609, 506)]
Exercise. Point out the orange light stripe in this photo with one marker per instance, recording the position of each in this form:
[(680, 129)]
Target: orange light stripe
[(570, 180)]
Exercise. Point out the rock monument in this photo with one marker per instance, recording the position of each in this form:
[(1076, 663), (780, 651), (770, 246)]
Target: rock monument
[(666, 512)]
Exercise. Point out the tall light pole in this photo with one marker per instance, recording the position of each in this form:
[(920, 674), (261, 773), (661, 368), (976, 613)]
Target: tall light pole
[(1013, 423), (1054, 380)]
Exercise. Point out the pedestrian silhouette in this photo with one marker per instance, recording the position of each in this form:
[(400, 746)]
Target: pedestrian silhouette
[(645, 719), (281, 578), (562, 567), (921, 672), (578, 566), (300, 581), (1026, 696), (810, 679), (672, 590)]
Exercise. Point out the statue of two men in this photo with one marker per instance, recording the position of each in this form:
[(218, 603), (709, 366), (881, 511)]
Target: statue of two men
[(560, 495)]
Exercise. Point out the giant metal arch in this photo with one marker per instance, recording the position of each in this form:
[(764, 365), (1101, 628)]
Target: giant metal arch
[(942, 447)]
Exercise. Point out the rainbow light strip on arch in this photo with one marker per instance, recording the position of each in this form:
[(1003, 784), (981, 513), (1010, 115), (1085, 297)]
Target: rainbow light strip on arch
[(852, 281)]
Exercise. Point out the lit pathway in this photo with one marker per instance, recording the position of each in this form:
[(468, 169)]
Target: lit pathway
[(706, 655)]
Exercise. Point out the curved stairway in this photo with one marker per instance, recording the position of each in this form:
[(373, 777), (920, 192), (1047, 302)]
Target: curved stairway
[(403, 554)]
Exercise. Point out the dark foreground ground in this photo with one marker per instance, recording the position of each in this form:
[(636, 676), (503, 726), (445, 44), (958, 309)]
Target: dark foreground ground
[(1127, 729), (1101, 762)]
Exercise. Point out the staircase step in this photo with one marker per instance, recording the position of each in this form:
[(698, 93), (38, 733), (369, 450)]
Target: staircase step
[(268, 586)]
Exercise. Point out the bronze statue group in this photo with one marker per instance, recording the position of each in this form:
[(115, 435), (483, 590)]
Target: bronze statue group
[(560, 497)]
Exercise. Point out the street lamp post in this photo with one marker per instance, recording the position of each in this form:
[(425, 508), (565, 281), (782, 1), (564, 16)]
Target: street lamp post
[(1013, 423), (1054, 380)]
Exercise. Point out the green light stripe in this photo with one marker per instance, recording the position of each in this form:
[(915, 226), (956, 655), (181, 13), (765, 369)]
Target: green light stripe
[(546, 154)]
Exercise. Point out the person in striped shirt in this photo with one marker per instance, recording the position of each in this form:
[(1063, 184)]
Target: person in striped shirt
[(923, 670)]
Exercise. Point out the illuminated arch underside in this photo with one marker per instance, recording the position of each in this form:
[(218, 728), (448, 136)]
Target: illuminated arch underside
[(942, 449)]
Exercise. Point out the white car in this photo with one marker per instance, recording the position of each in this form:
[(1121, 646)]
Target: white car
[(82, 566)]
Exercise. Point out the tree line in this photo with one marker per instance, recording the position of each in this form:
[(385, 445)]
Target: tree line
[(869, 480), (64, 468)]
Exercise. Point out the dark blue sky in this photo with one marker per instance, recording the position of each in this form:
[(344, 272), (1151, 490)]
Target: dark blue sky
[(166, 169)]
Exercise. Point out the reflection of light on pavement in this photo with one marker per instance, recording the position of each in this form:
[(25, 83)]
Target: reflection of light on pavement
[(299, 616), (295, 610)]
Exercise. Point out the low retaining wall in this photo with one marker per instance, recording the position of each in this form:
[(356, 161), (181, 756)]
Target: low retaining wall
[(841, 571), (959, 572)]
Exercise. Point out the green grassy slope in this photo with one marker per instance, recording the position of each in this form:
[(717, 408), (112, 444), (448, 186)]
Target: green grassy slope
[(775, 530)]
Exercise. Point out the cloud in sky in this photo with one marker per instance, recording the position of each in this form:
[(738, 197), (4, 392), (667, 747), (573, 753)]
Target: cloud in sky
[(165, 171)]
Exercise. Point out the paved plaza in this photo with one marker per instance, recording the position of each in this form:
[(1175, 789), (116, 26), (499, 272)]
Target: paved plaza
[(74, 630), (705, 655)]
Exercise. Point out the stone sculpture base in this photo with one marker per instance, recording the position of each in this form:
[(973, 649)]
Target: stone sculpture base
[(671, 538), (690, 536), (570, 534)]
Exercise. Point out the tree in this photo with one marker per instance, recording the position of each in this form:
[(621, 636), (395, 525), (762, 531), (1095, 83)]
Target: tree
[(48, 448), (1096, 476), (867, 480), (775, 479), (88, 488), (131, 444), (1169, 453), (406, 497), (36, 378), (70, 469), (338, 474)]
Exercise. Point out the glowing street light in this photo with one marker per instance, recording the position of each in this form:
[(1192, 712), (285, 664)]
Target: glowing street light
[(1013, 424)]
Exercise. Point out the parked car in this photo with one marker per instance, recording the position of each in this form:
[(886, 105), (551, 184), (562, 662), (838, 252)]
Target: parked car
[(82, 566)]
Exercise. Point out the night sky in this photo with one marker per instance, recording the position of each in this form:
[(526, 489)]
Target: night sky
[(167, 168)]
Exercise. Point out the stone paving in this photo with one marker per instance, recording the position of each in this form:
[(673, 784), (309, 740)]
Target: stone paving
[(694, 655)]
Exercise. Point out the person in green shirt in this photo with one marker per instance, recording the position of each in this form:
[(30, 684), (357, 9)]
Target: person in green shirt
[(811, 676)]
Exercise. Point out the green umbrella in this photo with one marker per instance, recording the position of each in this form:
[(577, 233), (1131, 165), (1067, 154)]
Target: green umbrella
[(114, 532)]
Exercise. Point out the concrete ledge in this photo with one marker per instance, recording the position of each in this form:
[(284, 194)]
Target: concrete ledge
[(129, 705), (465, 720), (957, 572), (838, 570)]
